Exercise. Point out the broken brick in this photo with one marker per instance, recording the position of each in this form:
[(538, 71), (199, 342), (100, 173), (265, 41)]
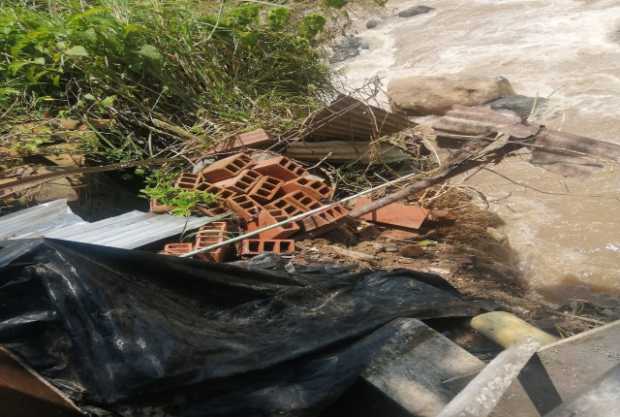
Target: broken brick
[(314, 188), (252, 247), (281, 168), (244, 206), (265, 189), (240, 184), (273, 216), (188, 181), (395, 214), (227, 168), (177, 249)]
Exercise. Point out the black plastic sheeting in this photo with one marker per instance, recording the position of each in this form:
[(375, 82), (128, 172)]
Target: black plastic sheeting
[(143, 334)]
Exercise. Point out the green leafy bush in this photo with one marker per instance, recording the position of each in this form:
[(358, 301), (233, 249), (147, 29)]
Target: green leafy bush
[(182, 63), (159, 186)]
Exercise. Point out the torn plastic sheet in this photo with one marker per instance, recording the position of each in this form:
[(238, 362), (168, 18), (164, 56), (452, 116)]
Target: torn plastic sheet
[(134, 332)]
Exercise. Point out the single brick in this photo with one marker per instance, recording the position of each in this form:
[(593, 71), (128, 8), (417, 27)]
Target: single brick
[(227, 168), (219, 193), (302, 200), (188, 181), (158, 208), (281, 168), (244, 206), (252, 247), (314, 188), (273, 216), (288, 207), (395, 214), (211, 210), (242, 183), (208, 235), (265, 189), (254, 139), (177, 249), (324, 220)]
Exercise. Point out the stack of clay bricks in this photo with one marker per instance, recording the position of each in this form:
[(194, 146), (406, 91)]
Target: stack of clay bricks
[(260, 193)]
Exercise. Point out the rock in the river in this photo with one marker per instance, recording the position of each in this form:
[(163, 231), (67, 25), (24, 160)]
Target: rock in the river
[(372, 23), (422, 95), (522, 105), (348, 47), (414, 11)]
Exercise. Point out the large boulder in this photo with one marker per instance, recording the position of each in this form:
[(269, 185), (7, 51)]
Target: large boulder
[(421, 95)]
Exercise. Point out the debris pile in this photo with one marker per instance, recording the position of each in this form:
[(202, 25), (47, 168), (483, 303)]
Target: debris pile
[(260, 192)]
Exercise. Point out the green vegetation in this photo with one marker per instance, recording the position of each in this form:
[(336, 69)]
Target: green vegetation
[(152, 78), (159, 187)]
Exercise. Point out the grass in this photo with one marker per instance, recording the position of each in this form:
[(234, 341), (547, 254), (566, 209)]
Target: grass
[(145, 78)]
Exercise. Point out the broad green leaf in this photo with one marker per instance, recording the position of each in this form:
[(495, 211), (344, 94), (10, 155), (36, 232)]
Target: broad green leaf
[(77, 50)]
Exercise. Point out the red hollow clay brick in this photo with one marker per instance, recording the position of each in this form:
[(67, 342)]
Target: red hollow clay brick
[(219, 193), (244, 207), (242, 183), (395, 214), (177, 249), (273, 216), (265, 189), (227, 168), (325, 219), (188, 181), (281, 168), (251, 247), (210, 234), (211, 210), (291, 209), (314, 188), (302, 200)]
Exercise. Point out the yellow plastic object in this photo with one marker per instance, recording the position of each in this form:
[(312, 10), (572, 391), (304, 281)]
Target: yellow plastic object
[(506, 329)]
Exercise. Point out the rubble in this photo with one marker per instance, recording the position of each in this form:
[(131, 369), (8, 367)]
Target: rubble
[(261, 193)]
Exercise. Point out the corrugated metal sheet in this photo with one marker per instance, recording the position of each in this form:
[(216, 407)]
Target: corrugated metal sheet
[(128, 231), (350, 119), (36, 221)]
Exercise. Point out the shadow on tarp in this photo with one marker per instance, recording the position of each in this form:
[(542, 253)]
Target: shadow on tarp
[(136, 332)]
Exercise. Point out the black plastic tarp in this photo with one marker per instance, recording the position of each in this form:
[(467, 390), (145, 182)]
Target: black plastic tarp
[(144, 334)]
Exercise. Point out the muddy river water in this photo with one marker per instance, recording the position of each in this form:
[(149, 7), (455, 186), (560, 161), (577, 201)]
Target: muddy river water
[(564, 50)]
